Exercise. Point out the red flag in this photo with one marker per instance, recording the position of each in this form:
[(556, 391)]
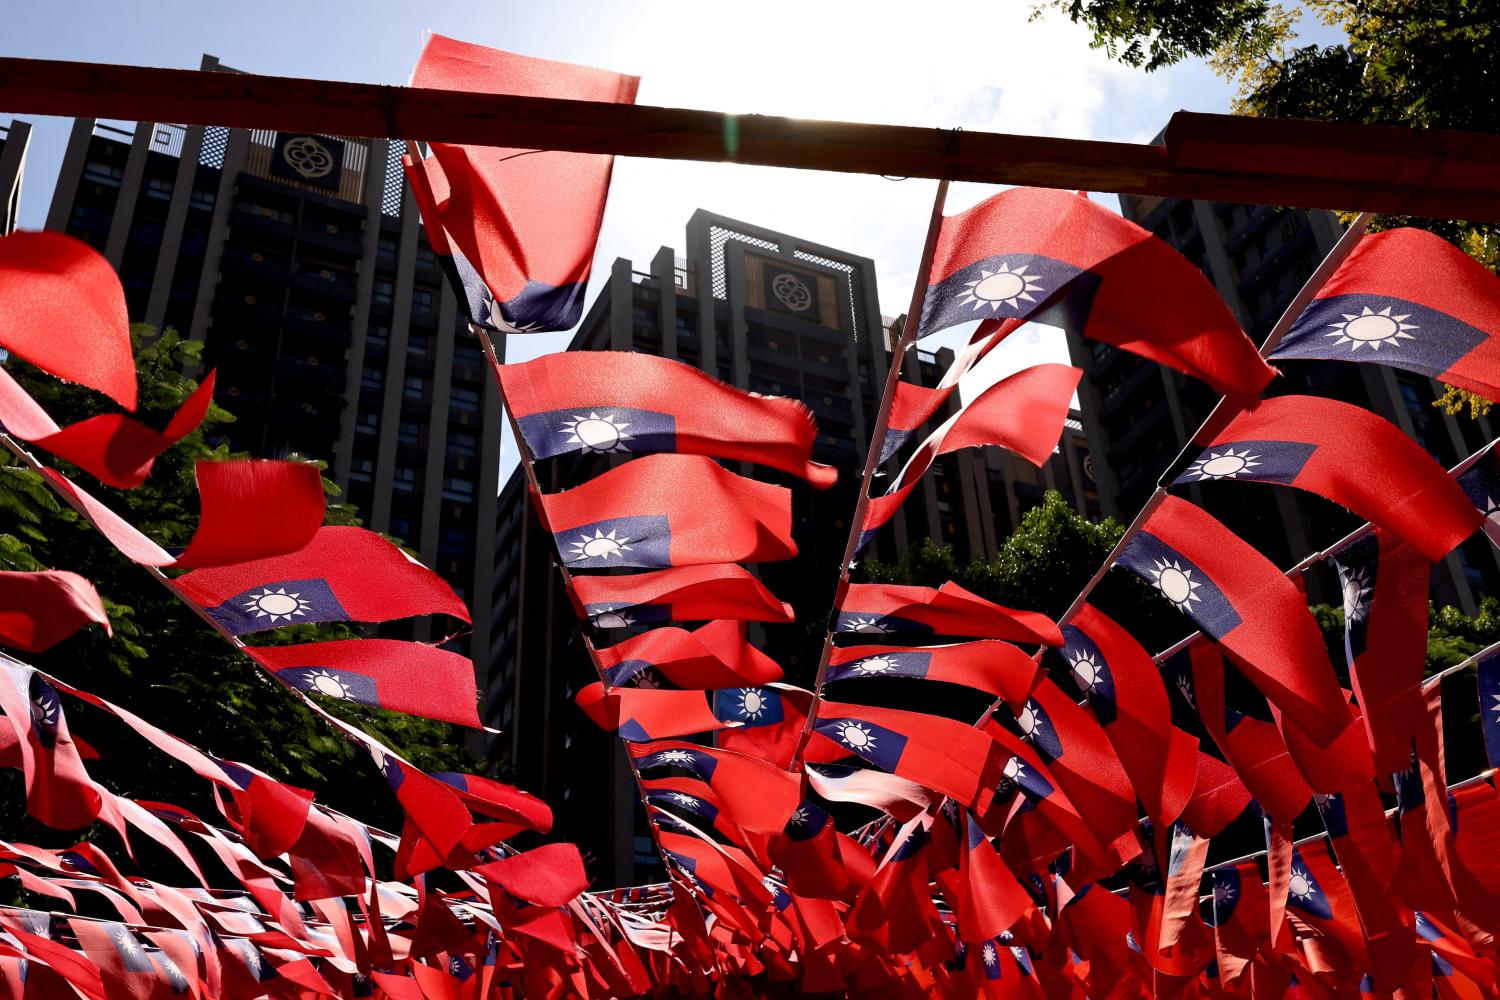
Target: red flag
[(39, 610), (1056, 257), (524, 222), (985, 664), (249, 509), (1243, 602), (1218, 797), (894, 912), (59, 791), (1350, 456), (670, 510), (641, 714), (394, 674), (759, 797), (1239, 914), (682, 594), (879, 608), (713, 656), (343, 574), (63, 310), (770, 717), (500, 801), (1318, 897), (1039, 821), (990, 900), (817, 860), (614, 402), (550, 875)]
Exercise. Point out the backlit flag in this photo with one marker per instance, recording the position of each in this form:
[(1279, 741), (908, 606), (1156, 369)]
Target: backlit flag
[(1240, 600), (248, 509), (1218, 797), (62, 308), (622, 403), (1489, 705), (39, 610), (1481, 483), (1384, 583), (393, 674), (1348, 455), (1024, 413), (1237, 910), (712, 656), (499, 801), (521, 224), (818, 861), (1124, 691), (1318, 896), (989, 665), (113, 448), (640, 714), (1409, 299), (758, 796), (1056, 257), (770, 719), (946, 756), (1041, 821), (894, 912), (682, 594), (670, 510), (900, 797), (881, 609), (343, 574), (913, 405), (59, 791), (549, 875), (990, 900)]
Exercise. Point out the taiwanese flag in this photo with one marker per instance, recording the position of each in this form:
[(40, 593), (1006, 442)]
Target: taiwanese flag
[(1475, 818), (1448, 946), (670, 510), (694, 798), (1124, 690), (770, 720), (990, 900), (1489, 706), (1244, 603), (880, 608), (62, 309), (987, 665), (1058, 258), (894, 912), (818, 861), (1348, 455), (913, 405), (1384, 584), (641, 714), (1238, 911), (1408, 299), (401, 676), (499, 801), (713, 656), (758, 796), (949, 757), (1366, 851), (1318, 897), (39, 610), (59, 791), (616, 402), (1218, 797), (1481, 484), (125, 967), (521, 224), (1041, 821), (718, 866), (343, 574), (901, 798), (682, 594)]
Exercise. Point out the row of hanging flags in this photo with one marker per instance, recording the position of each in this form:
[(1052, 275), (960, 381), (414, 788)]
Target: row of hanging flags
[(1058, 847)]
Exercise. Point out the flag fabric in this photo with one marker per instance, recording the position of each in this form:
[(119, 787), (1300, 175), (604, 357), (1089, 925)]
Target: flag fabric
[(521, 224), (894, 912), (670, 510), (343, 574), (62, 308), (1218, 797), (1241, 601), (1481, 484), (1056, 257), (1409, 299), (1318, 896), (1348, 455), (393, 674), (900, 797), (1123, 689), (248, 509), (913, 405), (989, 665), (59, 791), (639, 715), (113, 448), (549, 875), (716, 655), (758, 796), (880, 609), (39, 610), (1038, 821), (770, 719), (498, 800), (682, 594), (817, 860), (1024, 413), (1488, 670), (622, 403), (990, 900), (1238, 911)]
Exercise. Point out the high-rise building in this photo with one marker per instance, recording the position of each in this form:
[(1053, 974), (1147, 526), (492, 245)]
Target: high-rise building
[(13, 141), (300, 262), (1138, 414), (775, 314)]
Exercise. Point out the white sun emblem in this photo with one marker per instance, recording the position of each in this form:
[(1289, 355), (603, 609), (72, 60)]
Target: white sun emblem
[(989, 953), (1491, 510), (1002, 287), (600, 545), (646, 680), (1373, 328), (1225, 464), (685, 800), (612, 618), (875, 665), (327, 682), (672, 757), (1175, 583), (864, 623), (45, 710), (753, 703), (1015, 770), (127, 942), (170, 967), (600, 434), (856, 736), (1301, 885), (1496, 707), (277, 604), (1223, 893), (1086, 672), (799, 818), (1356, 587), (1185, 686), (1030, 721)]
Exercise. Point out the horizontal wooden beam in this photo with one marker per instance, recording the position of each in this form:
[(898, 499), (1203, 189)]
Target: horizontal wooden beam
[(1219, 157)]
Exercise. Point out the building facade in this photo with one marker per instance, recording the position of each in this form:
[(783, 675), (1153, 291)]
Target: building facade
[(14, 139)]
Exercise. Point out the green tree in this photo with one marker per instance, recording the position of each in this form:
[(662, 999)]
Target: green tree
[(1452, 636), (163, 662)]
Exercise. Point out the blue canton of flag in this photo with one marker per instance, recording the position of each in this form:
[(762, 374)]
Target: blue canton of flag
[(1358, 567), (888, 664), (627, 615), (1019, 774), (132, 955), (599, 430), (1411, 335), (1090, 672), (752, 707), (699, 764), (175, 979), (1179, 670), (1331, 809), (638, 674), (1303, 892), (867, 623), (989, 954), (643, 541), (1037, 729), (331, 682), (876, 744), (459, 969), (284, 602), (915, 840), (700, 808), (1182, 843), (1410, 794), (807, 821), (1224, 896), (1489, 706), (1481, 484), (46, 710), (1180, 581), (1004, 286), (1258, 461)]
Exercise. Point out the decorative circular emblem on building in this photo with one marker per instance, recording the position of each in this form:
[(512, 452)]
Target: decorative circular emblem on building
[(1088, 467), (308, 157), (791, 291)]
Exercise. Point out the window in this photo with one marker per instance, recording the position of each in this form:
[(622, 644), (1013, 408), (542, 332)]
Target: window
[(378, 334), (203, 199), (416, 387), (405, 479), (361, 469), (410, 432), (462, 444), (425, 257), (459, 490), (464, 399), (455, 541), (401, 526), (373, 378), (159, 188), (103, 173), (368, 422), (421, 300), (467, 354), (416, 344), (386, 246), (384, 292)]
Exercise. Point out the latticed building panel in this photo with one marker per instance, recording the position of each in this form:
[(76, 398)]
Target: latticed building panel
[(717, 237)]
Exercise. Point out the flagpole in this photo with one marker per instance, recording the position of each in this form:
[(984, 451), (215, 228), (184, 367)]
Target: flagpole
[(872, 455)]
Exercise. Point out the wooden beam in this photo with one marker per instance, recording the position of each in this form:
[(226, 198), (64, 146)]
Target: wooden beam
[(1219, 157)]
